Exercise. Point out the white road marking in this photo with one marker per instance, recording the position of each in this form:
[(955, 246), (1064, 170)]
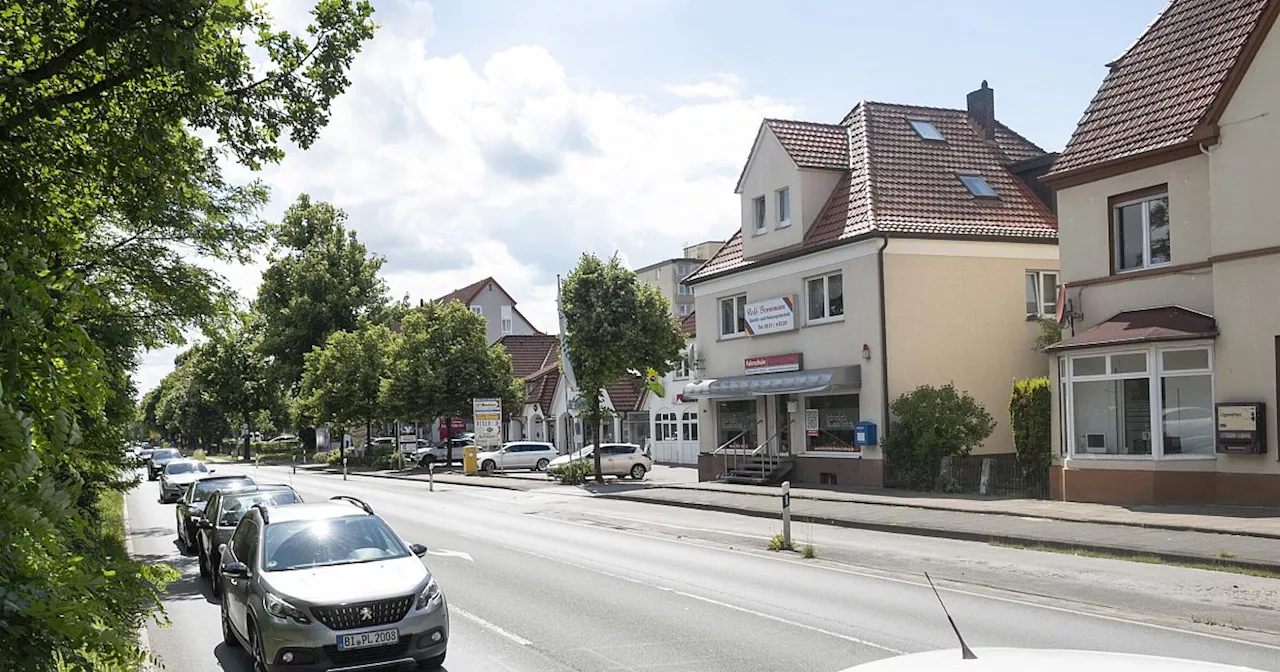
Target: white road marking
[(489, 626), (443, 553), (677, 527)]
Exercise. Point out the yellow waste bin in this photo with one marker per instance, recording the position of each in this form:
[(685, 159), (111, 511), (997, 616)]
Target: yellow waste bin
[(469, 465)]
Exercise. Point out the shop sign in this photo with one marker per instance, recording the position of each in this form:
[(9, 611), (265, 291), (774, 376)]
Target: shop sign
[(811, 422), (771, 316), (488, 419), (773, 363)]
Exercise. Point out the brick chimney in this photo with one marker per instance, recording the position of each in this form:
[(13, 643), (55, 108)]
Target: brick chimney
[(982, 109)]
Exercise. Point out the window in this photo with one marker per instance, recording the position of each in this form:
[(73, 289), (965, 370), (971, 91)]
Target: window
[(977, 186), (837, 414), (784, 207), (507, 321), (826, 297), (1141, 233), (683, 290), (682, 367), (1042, 293), (757, 214), (683, 309), (925, 129), (736, 424), (477, 310), (665, 427), (690, 426), (1155, 402), (682, 269), (733, 316)]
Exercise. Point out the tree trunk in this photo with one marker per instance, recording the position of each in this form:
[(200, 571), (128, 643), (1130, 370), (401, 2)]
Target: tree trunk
[(248, 436), (448, 442), (595, 429)]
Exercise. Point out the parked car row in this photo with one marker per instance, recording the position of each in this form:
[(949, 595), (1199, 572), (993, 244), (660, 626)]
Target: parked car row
[(307, 586)]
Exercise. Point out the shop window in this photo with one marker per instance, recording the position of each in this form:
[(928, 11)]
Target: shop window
[(826, 298), (665, 427), (837, 415), (736, 424), (690, 426)]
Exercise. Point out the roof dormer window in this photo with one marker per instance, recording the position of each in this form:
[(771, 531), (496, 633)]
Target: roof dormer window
[(926, 130), (977, 186)]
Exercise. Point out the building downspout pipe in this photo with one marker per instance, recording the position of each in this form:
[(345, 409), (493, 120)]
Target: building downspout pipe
[(884, 342)]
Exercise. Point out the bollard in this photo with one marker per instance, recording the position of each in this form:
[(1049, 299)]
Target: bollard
[(294, 459), (431, 476), (786, 514), (344, 468), (256, 459)]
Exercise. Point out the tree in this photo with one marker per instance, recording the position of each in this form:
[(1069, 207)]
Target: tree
[(614, 325), (441, 362), (930, 424), (321, 279), (186, 410), (106, 195), (342, 380), (234, 372)]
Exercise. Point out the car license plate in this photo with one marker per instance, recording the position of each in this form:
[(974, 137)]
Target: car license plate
[(364, 640)]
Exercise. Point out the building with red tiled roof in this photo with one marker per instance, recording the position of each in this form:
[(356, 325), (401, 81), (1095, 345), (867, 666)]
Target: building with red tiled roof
[(530, 352), (1167, 380), (488, 299), (903, 246)]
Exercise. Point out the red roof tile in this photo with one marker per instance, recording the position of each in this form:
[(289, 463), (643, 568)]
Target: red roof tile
[(531, 353), (466, 294), (1170, 323), (1165, 84), (689, 323), (898, 183), (544, 383), (813, 145), (625, 395)]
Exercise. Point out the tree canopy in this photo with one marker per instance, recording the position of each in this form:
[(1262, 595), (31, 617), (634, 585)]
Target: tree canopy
[(342, 381)]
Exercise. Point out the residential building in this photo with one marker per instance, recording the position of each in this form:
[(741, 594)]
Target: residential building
[(488, 299), (533, 359), (624, 402), (667, 274), (674, 426), (887, 251), (1166, 194)]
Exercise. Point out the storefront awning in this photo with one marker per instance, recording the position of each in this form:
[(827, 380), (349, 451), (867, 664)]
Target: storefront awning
[(1170, 323), (840, 378)]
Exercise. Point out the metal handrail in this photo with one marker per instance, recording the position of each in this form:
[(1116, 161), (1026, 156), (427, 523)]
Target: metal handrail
[(724, 445), (724, 459)]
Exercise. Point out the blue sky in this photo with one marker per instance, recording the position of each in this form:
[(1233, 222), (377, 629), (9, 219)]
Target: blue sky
[(505, 137)]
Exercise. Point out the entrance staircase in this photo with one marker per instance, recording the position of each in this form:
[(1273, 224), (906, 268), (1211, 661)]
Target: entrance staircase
[(760, 470)]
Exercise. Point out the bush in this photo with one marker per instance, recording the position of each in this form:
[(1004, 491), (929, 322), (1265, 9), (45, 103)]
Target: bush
[(779, 543), (332, 458), (929, 424), (198, 455), (1030, 415), (322, 456), (575, 472)]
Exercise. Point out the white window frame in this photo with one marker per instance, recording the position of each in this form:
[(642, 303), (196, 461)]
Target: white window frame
[(477, 309), (1042, 301), (981, 179), (826, 298), (682, 309), (508, 320), (913, 123), (1154, 373), (683, 290), (689, 419), (682, 270), (759, 215), (1146, 233), (782, 197), (681, 371), (666, 427), (720, 317)]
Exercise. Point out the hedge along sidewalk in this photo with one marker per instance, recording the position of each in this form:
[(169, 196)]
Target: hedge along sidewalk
[(1244, 521), (1180, 546)]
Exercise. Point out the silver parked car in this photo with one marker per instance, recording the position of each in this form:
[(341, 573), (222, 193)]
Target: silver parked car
[(178, 475), (329, 585), (617, 459), (518, 455)]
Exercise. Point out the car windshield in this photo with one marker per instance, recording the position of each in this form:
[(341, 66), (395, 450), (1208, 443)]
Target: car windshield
[(205, 489), (165, 452), (233, 508), (300, 544), (185, 468)]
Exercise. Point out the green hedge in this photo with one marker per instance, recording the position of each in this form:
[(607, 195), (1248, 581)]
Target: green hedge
[(929, 424), (575, 472), (1030, 415)]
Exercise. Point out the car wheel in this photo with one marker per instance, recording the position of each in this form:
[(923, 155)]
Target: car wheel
[(432, 663), (637, 471), (259, 658), (489, 465), (228, 636), (182, 541), (204, 563), (542, 464)]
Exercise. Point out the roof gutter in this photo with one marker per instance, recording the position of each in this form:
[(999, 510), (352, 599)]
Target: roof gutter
[(884, 342), (1111, 167)]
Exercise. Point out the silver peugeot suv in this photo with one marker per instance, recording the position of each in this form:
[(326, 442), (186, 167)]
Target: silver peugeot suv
[(329, 586)]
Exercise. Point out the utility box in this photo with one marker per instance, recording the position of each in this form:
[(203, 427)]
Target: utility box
[(864, 434), (1241, 427), (469, 465)]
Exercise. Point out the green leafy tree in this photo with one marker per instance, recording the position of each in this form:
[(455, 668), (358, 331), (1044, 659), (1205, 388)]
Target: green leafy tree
[(1030, 416), (321, 279), (342, 381), (233, 371), (929, 424), (186, 409), (614, 324)]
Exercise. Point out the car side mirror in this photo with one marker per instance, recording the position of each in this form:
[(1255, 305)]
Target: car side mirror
[(222, 548), (213, 471), (235, 570), (418, 549), (204, 524)]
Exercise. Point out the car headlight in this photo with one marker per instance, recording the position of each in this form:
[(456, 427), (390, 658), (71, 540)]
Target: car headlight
[(281, 609), (429, 595)]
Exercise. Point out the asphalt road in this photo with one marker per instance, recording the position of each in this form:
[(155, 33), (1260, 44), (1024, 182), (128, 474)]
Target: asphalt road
[(547, 580)]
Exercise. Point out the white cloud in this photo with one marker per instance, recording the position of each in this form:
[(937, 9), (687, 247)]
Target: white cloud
[(512, 167)]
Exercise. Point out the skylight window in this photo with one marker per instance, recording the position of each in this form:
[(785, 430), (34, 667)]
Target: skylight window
[(977, 186), (925, 129)]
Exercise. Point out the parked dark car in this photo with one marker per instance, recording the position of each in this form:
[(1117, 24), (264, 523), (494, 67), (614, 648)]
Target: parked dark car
[(191, 506), (160, 457), (223, 513)]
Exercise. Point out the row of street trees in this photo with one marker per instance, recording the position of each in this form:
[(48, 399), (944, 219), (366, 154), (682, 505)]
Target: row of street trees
[(108, 190)]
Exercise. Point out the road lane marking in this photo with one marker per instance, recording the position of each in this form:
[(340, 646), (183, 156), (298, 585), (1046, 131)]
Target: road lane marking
[(489, 626), (443, 553), (673, 526)]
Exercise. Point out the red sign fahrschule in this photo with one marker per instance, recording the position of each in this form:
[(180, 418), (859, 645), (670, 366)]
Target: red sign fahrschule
[(773, 363)]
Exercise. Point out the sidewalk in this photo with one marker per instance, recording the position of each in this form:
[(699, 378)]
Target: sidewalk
[(1223, 536)]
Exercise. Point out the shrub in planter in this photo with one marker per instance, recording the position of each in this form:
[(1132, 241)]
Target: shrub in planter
[(929, 424), (332, 458), (1030, 415), (574, 473)]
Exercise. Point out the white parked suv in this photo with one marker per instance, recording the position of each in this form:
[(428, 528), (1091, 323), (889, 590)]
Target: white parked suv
[(534, 455)]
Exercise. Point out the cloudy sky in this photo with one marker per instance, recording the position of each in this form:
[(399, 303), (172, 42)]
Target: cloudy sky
[(505, 137)]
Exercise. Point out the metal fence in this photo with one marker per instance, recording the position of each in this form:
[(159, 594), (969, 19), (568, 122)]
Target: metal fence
[(995, 475)]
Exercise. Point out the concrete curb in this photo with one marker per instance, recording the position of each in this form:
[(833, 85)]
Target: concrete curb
[(1172, 527), (497, 486), (962, 535), (144, 638)]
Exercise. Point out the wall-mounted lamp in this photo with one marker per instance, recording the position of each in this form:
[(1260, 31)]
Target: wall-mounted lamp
[(866, 351)]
